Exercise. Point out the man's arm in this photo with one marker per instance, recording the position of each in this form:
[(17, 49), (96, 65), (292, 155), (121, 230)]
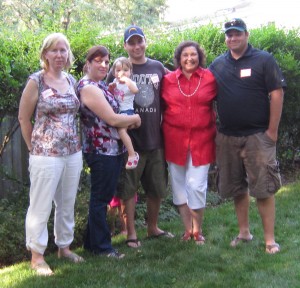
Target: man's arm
[(276, 103)]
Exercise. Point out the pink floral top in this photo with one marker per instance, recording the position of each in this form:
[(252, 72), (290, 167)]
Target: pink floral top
[(55, 127), (98, 136)]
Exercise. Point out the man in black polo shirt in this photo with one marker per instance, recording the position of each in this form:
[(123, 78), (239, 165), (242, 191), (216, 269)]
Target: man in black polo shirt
[(249, 105)]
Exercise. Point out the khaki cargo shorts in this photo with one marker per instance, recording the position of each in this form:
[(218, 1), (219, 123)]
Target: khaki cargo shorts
[(247, 164), (151, 172)]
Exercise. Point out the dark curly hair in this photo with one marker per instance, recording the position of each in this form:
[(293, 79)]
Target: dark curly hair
[(184, 44)]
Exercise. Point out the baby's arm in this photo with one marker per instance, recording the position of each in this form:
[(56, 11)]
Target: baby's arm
[(111, 87), (130, 84)]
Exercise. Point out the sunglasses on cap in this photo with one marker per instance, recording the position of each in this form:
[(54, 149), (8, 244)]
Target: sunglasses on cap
[(237, 24)]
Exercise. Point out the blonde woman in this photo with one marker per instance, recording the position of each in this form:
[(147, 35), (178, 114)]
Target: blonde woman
[(55, 160)]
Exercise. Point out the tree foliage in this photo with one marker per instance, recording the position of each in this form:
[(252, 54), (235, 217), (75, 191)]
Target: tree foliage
[(63, 15)]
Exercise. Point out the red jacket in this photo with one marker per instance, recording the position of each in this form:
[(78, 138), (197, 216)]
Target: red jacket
[(189, 121)]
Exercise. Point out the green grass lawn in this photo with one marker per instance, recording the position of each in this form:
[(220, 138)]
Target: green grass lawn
[(171, 263)]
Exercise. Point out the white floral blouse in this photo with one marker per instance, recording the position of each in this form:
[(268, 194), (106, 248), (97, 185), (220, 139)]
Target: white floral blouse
[(55, 126)]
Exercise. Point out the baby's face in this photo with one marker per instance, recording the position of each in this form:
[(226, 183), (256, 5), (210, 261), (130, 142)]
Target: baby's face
[(122, 70)]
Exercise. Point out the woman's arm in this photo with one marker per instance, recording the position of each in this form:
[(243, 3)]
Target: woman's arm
[(26, 109), (94, 99)]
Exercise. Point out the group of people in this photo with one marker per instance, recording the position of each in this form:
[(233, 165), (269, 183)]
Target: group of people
[(171, 127)]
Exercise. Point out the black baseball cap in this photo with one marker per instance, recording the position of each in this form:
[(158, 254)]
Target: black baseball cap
[(131, 31), (235, 24)]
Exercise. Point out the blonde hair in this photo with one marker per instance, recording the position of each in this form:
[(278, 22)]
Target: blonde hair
[(124, 61), (48, 43)]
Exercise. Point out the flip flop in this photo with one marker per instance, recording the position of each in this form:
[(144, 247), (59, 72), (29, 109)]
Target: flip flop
[(237, 240), (272, 248), (72, 257), (42, 269), (136, 243), (163, 234)]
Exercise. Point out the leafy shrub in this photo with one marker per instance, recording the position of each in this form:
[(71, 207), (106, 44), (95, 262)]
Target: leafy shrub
[(285, 46), (12, 216), (19, 58)]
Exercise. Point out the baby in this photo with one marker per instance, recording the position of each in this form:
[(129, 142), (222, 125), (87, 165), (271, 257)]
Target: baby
[(124, 89)]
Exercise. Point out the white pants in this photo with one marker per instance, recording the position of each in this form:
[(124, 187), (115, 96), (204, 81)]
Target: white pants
[(52, 179), (189, 184)]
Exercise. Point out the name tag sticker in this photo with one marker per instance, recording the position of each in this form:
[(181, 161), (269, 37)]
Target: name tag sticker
[(245, 73), (154, 78), (47, 93)]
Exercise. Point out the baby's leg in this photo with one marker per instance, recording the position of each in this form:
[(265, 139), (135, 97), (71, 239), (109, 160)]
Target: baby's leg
[(133, 157), (126, 141)]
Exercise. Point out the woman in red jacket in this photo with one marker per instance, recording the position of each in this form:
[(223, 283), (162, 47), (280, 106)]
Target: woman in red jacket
[(189, 129)]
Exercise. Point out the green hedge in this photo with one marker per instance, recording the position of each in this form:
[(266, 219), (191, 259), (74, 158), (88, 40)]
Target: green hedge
[(19, 58)]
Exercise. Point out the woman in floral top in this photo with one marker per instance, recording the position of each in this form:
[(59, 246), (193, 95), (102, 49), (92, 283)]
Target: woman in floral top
[(55, 160), (102, 147)]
